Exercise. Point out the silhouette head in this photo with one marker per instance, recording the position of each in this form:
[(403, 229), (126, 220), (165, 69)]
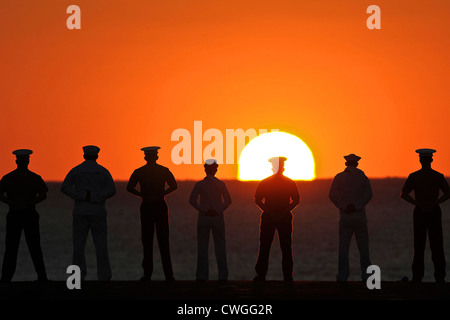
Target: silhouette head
[(22, 157), (151, 154), (425, 156), (91, 152), (211, 166), (352, 160), (278, 164)]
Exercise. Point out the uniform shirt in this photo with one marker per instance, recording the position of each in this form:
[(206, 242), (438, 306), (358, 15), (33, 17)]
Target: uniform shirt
[(213, 195), (426, 185), (89, 176), (350, 187), (152, 179), (21, 188), (277, 191)]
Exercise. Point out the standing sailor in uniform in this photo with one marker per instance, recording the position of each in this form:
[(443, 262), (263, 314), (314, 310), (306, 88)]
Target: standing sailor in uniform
[(152, 179), (276, 196), (350, 192), (90, 185), (22, 189), (426, 184), (211, 198)]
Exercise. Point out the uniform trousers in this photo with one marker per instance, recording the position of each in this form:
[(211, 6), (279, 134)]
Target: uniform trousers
[(98, 227), (349, 225), (281, 222), (431, 223), (206, 225), (28, 221), (155, 217)]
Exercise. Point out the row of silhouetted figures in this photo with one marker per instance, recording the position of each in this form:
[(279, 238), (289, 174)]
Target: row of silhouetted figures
[(90, 185)]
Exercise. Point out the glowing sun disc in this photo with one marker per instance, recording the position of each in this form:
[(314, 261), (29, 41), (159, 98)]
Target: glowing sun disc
[(254, 164)]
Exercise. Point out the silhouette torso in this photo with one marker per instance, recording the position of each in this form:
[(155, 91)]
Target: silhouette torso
[(22, 187), (277, 191), (350, 186), (213, 194), (426, 184), (91, 177), (152, 179)]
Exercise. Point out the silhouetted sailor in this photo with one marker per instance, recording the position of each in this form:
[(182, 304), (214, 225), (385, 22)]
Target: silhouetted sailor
[(426, 184), (211, 198), (350, 192), (152, 179), (22, 189), (277, 196), (90, 185)]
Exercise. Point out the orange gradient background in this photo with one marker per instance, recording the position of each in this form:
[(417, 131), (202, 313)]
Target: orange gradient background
[(139, 69)]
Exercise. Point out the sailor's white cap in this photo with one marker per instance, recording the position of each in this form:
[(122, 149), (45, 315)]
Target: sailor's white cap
[(22, 152), (91, 150), (352, 157), (211, 162), (152, 149), (425, 152)]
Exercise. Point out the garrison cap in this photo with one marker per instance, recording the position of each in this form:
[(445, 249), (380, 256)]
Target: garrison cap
[(22, 152), (425, 152), (277, 163), (352, 157), (152, 149), (91, 150)]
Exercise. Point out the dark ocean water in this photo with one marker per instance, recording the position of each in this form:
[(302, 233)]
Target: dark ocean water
[(315, 235)]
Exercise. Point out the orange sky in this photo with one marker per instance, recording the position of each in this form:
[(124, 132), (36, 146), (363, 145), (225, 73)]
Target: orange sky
[(139, 69)]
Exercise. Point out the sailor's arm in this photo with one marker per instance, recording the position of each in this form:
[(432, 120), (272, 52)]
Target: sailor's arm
[(406, 190), (260, 203), (406, 196), (260, 197), (444, 197), (295, 196), (445, 189), (226, 197), (366, 195), (131, 186), (108, 191), (335, 196), (41, 196), (172, 183), (294, 204), (193, 199), (3, 198), (67, 188)]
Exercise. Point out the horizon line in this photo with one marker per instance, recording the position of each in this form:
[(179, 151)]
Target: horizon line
[(228, 179)]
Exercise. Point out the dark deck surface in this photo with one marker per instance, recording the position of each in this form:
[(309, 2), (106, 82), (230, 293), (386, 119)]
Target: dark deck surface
[(190, 300), (232, 290)]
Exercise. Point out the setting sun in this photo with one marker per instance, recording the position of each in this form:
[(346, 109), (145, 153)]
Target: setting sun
[(254, 164)]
